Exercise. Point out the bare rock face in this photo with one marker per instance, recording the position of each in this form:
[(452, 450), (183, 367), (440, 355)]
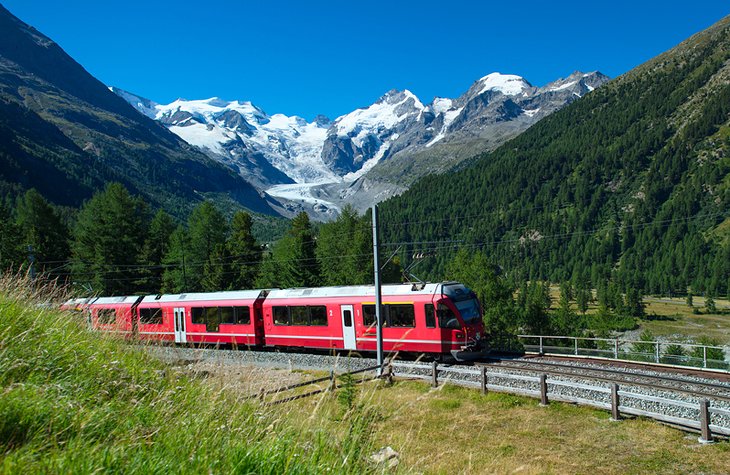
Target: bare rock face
[(371, 153)]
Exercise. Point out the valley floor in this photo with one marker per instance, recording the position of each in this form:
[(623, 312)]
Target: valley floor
[(457, 430)]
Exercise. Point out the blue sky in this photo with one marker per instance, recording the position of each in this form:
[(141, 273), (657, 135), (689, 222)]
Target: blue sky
[(330, 57)]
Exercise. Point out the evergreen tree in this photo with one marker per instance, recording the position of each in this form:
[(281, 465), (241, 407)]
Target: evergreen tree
[(583, 295), (175, 275), (299, 263), (245, 252), (494, 292), (107, 241), (564, 321), (344, 250), (42, 231), (272, 269), (689, 300), (710, 306), (634, 303), (207, 233), (155, 248), (11, 253)]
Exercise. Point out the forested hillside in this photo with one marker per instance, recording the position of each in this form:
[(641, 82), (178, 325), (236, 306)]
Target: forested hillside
[(628, 184), (65, 134)]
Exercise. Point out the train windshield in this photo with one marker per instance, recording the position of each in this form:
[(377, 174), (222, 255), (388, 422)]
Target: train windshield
[(465, 300), (469, 310)]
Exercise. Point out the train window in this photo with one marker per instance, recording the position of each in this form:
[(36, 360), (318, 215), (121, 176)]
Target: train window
[(347, 317), (212, 319), (368, 315), (318, 315), (446, 316), (150, 316), (299, 315), (281, 315), (430, 316), (243, 315), (198, 316), (227, 315), (401, 315), (106, 316)]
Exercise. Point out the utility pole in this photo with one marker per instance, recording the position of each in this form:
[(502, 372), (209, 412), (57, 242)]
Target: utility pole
[(31, 259), (378, 292), (185, 278)]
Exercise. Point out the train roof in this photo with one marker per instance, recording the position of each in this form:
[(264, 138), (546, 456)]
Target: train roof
[(363, 290), (128, 300), (203, 296)]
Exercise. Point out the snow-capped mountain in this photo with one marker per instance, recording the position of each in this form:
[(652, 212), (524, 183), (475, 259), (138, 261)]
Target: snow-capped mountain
[(371, 153)]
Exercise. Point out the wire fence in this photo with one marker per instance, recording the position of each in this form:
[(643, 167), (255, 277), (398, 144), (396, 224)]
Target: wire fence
[(660, 352)]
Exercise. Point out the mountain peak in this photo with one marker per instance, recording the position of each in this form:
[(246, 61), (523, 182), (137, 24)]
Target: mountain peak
[(507, 84)]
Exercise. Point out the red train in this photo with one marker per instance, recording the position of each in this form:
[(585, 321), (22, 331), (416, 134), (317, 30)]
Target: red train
[(441, 318)]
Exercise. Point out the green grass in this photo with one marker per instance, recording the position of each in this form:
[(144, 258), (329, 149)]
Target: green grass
[(75, 401)]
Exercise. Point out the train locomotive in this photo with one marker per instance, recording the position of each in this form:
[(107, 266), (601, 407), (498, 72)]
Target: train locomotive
[(440, 319)]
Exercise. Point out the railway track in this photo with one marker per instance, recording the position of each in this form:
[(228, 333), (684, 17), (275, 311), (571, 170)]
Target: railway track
[(674, 399), (648, 377)]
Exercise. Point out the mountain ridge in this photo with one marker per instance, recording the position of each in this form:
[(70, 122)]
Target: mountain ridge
[(383, 146), (93, 136), (629, 184)]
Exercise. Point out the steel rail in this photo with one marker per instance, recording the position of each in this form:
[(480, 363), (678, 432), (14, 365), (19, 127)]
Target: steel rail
[(624, 378)]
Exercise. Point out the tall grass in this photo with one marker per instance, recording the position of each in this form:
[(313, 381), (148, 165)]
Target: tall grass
[(77, 401)]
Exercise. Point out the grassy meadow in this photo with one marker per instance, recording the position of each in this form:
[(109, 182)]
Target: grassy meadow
[(75, 401)]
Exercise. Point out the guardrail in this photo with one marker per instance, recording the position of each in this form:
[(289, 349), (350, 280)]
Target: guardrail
[(332, 378), (695, 356), (710, 421)]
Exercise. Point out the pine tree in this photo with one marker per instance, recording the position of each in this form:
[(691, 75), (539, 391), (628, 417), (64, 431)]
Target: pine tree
[(207, 233), (244, 251), (155, 248), (42, 231), (300, 267), (107, 242), (564, 321), (344, 250), (583, 295), (175, 275), (634, 303), (11, 254), (494, 292), (710, 306)]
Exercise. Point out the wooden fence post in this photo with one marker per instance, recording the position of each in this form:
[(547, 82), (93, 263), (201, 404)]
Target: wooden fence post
[(543, 390), (706, 436), (333, 381), (615, 413), (434, 375), (484, 380)]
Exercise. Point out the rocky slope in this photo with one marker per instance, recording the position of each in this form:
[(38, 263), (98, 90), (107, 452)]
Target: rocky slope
[(369, 154), (64, 133)]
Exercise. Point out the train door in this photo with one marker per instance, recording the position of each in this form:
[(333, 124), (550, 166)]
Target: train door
[(180, 336), (348, 327)]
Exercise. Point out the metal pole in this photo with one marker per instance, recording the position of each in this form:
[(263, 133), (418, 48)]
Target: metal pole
[(543, 390), (615, 402), (484, 380), (705, 422), (656, 354), (615, 349), (541, 352), (704, 357), (31, 258), (576, 345), (378, 292), (434, 374)]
